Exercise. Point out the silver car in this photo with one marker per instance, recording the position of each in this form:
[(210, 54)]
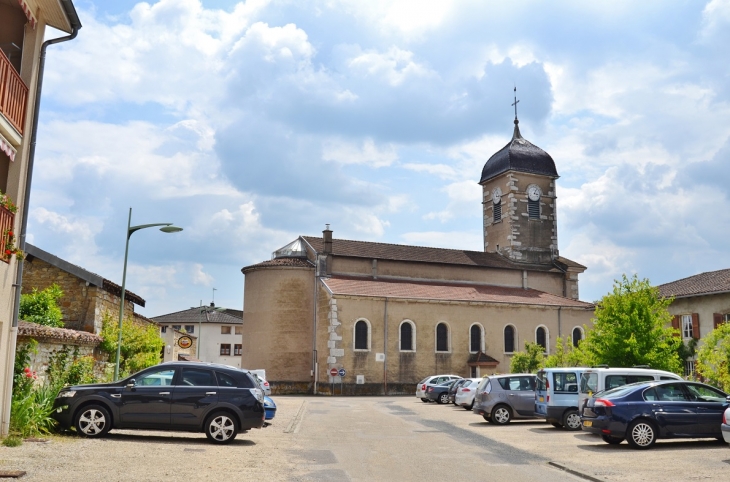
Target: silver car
[(500, 398)]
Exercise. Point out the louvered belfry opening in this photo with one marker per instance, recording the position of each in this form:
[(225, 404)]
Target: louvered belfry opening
[(497, 212), (533, 209)]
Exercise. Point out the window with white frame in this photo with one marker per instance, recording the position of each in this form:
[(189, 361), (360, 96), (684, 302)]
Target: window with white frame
[(476, 338), (726, 318), (510, 336), (687, 326), (407, 341), (541, 337), (362, 335), (190, 329), (442, 337), (689, 368)]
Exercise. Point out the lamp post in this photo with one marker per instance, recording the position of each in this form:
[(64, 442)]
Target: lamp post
[(166, 228)]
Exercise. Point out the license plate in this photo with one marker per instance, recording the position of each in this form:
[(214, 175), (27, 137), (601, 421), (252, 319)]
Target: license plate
[(587, 423), (542, 399)]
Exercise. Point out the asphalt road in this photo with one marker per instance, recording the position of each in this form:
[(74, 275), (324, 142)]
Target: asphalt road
[(368, 438)]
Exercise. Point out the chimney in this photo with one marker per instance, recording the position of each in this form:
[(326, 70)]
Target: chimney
[(327, 236), (212, 305)]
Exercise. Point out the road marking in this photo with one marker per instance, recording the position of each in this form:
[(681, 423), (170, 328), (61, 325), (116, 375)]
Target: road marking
[(574, 472), (296, 421)]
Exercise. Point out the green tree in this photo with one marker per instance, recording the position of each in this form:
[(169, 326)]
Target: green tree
[(565, 355), (713, 357), (528, 361), (632, 327), (141, 344), (42, 306)]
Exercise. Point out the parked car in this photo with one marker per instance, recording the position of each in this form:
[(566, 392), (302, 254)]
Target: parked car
[(269, 409), (454, 387), (263, 384), (432, 381), (184, 396), (466, 392), (506, 397), (643, 412), (725, 427), (597, 379), (440, 393), (557, 397)]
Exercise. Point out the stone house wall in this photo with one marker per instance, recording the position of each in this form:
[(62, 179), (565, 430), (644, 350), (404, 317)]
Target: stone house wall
[(82, 304)]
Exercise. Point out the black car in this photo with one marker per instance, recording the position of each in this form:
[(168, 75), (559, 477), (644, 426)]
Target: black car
[(186, 396), (642, 412), (440, 393)]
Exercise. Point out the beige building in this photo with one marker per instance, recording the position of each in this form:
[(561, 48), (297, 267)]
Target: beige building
[(701, 303), (390, 315), (22, 29)]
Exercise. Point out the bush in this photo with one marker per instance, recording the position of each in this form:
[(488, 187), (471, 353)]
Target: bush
[(529, 361), (66, 367), (42, 307), (713, 357), (141, 345), (12, 441), (32, 404)]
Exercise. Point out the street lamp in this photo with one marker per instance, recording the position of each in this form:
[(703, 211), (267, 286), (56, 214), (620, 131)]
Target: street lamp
[(167, 228)]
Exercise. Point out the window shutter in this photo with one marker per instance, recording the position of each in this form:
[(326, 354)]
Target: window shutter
[(696, 326), (675, 325), (716, 319)]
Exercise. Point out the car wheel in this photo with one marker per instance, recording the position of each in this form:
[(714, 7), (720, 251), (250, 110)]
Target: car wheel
[(469, 407), (611, 440), (641, 434), (424, 400), (571, 420), (501, 415), (221, 428), (443, 398), (93, 421)]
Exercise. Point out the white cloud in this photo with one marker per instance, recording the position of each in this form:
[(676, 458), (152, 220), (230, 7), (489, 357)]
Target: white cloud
[(367, 152), (464, 199), (394, 66), (200, 277)]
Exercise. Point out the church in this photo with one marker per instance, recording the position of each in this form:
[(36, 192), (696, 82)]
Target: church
[(328, 315)]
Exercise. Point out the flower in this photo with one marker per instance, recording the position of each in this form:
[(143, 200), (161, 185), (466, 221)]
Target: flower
[(26, 369)]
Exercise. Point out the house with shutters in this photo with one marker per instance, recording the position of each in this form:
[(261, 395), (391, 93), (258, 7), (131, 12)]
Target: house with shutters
[(701, 303)]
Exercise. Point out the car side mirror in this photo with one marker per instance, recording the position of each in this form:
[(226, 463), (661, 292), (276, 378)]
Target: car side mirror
[(131, 383)]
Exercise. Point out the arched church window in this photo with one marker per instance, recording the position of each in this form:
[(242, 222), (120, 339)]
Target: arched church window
[(406, 336), (442, 337), (475, 338), (361, 335), (541, 337), (509, 339), (577, 336)]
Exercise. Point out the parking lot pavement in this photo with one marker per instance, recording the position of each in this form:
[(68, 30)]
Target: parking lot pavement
[(367, 438)]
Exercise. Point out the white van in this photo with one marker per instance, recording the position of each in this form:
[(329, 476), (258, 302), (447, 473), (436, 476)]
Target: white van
[(597, 379), (556, 396)]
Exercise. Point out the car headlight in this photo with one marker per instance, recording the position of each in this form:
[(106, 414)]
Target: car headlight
[(66, 394)]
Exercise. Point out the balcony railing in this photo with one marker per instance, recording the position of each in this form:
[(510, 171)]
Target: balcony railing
[(13, 94), (6, 224)]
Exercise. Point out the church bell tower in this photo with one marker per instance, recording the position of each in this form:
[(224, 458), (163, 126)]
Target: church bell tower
[(518, 195)]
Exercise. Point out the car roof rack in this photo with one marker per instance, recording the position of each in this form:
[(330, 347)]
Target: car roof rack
[(641, 366), (599, 366)]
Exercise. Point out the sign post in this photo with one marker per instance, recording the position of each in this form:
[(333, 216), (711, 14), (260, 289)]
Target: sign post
[(341, 373), (333, 374)]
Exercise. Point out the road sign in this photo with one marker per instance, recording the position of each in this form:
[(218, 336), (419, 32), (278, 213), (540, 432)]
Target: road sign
[(333, 372), (341, 372)]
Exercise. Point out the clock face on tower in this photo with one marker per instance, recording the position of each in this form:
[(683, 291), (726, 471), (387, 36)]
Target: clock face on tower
[(496, 195), (533, 192)]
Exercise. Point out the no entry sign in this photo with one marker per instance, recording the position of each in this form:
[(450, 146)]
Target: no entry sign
[(333, 372)]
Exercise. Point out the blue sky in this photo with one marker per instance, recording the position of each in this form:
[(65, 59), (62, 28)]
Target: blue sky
[(249, 123)]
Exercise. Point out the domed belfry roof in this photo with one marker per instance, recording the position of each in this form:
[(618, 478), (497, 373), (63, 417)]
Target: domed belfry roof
[(519, 155)]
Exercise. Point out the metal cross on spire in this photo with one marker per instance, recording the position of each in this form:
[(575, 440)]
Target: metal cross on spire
[(515, 104)]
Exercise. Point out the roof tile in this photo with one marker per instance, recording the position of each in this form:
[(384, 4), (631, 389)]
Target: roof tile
[(699, 284)]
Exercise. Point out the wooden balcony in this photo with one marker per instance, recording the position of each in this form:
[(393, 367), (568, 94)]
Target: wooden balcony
[(13, 94), (6, 223)]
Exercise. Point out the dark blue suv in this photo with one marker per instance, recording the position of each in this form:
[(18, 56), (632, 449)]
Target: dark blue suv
[(640, 413), (186, 396)]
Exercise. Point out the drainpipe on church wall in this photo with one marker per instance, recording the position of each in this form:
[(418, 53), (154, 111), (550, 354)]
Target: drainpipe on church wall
[(385, 348)]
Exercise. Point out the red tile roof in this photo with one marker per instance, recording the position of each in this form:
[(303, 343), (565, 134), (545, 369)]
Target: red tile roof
[(401, 252), (59, 335), (699, 284), (367, 287), (281, 262)]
